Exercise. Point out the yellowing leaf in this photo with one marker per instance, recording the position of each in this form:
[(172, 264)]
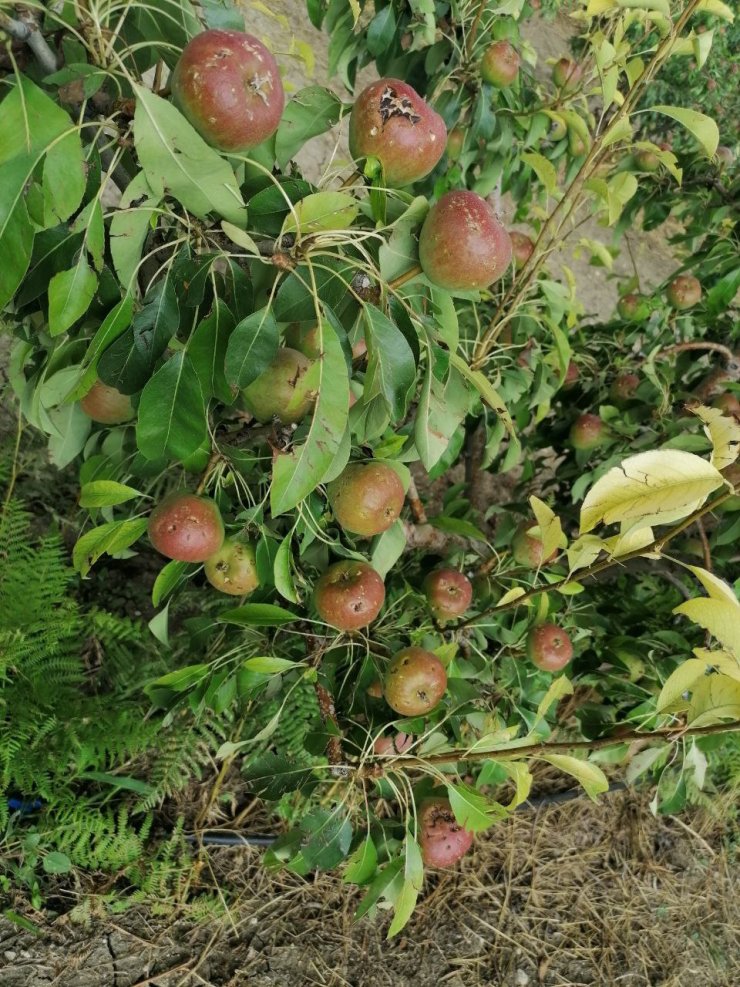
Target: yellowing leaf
[(551, 531), (588, 774), (723, 432), (714, 699), (513, 594), (716, 587), (720, 617), (702, 127), (717, 8), (322, 211), (631, 541), (691, 671), (651, 488), (559, 687), (726, 663), (585, 550), (522, 778)]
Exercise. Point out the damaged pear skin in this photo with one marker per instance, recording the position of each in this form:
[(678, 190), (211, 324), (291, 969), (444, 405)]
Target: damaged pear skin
[(391, 122)]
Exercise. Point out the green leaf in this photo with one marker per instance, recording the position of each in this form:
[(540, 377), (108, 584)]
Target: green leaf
[(115, 323), (703, 128), (207, 351), (251, 348), (172, 421), (268, 666), (322, 211), (297, 473), (362, 863), (272, 775), (543, 169), (442, 407), (559, 687), (128, 362), (387, 885), (282, 570), (404, 908), (182, 678), (17, 232), (388, 549), (258, 615), (391, 370), (119, 781), (473, 810), (175, 158), (129, 227), (70, 295), (108, 539), (591, 776), (327, 836), (241, 238), (57, 862), (167, 580), (486, 390), (106, 493), (312, 111), (71, 428), (656, 487)]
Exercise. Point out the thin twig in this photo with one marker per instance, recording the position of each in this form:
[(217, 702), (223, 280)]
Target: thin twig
[(403, 278), (683, 347), (30, 35), (704, 544), (417, 508)]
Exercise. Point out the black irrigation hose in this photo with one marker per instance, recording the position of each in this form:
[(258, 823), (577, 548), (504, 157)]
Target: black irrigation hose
[(226, 838)]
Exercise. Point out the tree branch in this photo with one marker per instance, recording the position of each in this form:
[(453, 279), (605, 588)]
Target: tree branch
[(655, 546), (30, 35)]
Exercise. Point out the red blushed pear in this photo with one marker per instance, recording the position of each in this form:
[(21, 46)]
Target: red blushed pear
[(527, 549), (442, 839), (463, 246), (227, 85), (623, 388), (549, 647), (567, 74), (633, 307), (366, 498), (572, 376), (233, 569), (500, 64), (521, 247), (449, 593), (684, 292), (277, 393), (587, 432), (107, 405), (186, 527), (391, 122), (415, 681), (349, 595), (398, 744)]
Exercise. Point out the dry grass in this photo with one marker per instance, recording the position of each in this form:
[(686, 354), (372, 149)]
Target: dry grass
[(577, 895)]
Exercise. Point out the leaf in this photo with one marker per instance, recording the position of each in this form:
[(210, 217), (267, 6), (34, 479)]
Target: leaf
[(17, 232), (559, 687), (119, 781), (386, 885), (543, 169), (520, 774), (473, 810), (683, 678), (703, 128), (128, 362), (404, 908), (168, 578), (388, 549), (717, 588), (619, 190), (312, 111), (57, 862), (590, 775), (714, 700), (258, 615), (486, 390), (70, 295), (632, 541), (172, 421), (176, 159), (106, 493), (268, 666), (717, 8), (207, 350), (72, 427), (109, 539), (362, 863), (282, 570), (391, 370), (252, 347), (241, 238), (723, 432), (651, 488), (272, 775), (297, 473), (720, 617), (550, 529), (584, 550), (129, 227), (182, 679), (63, 179), (322, 211), (441, 410), (159, 625), (115, 323)]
